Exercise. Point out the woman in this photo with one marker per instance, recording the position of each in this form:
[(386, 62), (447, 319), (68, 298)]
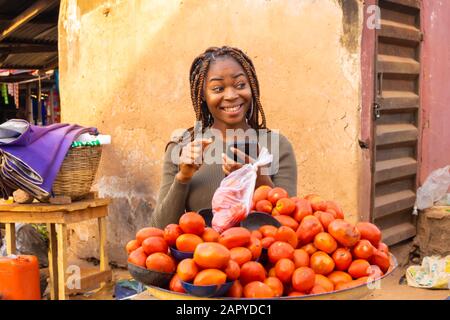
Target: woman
[(225, 95)]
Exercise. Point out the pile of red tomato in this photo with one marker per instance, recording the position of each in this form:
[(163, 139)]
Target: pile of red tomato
[(314, 251)]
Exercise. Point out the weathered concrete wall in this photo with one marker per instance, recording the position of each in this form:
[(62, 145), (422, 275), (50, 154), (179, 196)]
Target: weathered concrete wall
[(124, 68), (435, 93)]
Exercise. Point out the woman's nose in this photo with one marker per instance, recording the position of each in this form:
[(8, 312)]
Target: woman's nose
[(230, 94)]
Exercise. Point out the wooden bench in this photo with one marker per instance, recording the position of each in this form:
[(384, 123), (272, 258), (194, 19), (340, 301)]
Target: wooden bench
[(57, 217)]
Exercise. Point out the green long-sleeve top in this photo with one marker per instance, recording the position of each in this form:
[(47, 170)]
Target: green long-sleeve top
[(175, 198)]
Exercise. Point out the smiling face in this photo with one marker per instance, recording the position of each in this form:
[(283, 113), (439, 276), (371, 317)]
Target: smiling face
[(227, 93)]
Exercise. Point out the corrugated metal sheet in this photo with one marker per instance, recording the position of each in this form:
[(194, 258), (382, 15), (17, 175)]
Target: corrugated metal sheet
[(45, 32), (32, 60), (41, 29)]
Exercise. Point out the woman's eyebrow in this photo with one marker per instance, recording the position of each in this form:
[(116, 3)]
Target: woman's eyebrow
[(216, 79), (237, 75)]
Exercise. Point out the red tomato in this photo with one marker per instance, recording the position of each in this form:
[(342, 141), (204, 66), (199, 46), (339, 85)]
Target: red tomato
[(175, 284), (325, 242), (264, 206), (383, 248), (380, 259), (359, 268), (344, 232), (131, 246), (276, 285), (303, 279), (331, 205), (236, 290), (171, 233), (285, 206), (288, 235), (317, 202), (138, 257), (301, 258), (192, 222), (267, 242), (342, 258), (154, 244), (321, 263), (325, 218), (302, 209), (279, 250), (252, 271), (261, 193), (287, 221), (363, 249), (276, 194), (284, 268), (309, 227), (370, 232)]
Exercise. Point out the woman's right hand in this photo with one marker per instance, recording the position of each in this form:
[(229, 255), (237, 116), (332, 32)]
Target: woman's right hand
[(191, 159)]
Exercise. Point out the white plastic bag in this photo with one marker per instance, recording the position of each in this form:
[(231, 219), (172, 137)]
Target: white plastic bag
[(434, 273), (232, 201), (434, 189)]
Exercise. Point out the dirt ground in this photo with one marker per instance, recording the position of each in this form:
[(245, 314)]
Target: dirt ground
[(393, 287)]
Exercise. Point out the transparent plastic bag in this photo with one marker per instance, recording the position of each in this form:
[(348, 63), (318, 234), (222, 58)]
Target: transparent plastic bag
[(434, 189), (232, 201)]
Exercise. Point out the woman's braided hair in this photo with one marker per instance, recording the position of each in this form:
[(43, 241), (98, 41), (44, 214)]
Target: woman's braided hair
[(197, 75)]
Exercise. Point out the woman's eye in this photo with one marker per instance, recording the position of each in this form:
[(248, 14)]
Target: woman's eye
[(241, 85), (217, 89)]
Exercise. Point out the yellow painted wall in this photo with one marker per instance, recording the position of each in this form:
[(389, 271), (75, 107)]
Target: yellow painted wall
[(124, 69)]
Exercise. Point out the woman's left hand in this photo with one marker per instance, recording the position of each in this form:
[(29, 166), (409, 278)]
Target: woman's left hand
[(229, 165)]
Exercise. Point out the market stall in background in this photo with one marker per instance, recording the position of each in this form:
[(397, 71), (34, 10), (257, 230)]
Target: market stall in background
[(29, 61)]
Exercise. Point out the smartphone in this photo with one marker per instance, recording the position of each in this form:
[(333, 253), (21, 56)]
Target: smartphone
[(250, 148)]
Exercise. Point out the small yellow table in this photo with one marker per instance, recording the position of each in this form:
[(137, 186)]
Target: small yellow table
[(57, 217)]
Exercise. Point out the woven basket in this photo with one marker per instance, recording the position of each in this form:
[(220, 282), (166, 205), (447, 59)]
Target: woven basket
[(77, 172)]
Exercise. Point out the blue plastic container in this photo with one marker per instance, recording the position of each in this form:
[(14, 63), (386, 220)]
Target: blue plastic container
[(181, 255), (207, 291)]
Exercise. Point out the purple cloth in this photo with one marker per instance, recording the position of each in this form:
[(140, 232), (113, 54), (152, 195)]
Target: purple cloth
[(44, 148)]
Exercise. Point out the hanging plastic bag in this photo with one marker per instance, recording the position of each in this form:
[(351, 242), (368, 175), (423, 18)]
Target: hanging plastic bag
[(232, 201), (434, 188)]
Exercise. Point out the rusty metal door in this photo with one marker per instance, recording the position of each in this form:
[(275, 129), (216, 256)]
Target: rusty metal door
[(396, 119)]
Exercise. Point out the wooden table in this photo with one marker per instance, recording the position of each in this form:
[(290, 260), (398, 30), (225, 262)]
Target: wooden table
[(57, 217)]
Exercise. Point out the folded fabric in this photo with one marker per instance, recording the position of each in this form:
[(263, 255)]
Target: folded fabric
[(31, 156)]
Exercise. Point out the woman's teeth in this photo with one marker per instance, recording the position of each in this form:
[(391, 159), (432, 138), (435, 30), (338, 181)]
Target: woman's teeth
[(232, 109)]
